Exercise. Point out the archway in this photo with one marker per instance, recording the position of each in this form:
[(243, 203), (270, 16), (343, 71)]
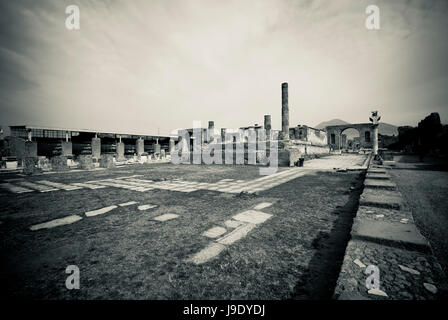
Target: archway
[(350, 140)]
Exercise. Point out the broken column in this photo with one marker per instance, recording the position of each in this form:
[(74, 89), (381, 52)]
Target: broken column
[(66, 146), (267, 125), (120, 150), (140, 146), (96, 147), (285, 112), (172, 143)]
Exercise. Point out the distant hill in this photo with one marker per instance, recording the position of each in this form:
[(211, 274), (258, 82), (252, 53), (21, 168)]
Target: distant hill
[(334, 122), (383, 128)]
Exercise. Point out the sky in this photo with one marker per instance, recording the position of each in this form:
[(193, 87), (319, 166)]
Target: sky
[(151, 66)]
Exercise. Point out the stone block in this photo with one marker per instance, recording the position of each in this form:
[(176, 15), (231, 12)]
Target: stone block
[(390, 233), (30, 165), (107, 161), (120, 151), (86, 162), (66, 148), (96, 147), (380, 184), (59, 163)]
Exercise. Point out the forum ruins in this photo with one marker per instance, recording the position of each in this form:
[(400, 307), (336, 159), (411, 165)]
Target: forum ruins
[(37, 147)]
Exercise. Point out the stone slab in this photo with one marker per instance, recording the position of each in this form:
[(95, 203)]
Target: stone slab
[(206, 254), (100, 211), (166, 217), (262, 205), (252, 216), (13, 188), (383, 214), (56, 223), (390, 233), (130, 203), (378, 176), (376, 170), (381, 201), (233, 224), (236, 234), (214, 232), (380, 184), (146, 207)]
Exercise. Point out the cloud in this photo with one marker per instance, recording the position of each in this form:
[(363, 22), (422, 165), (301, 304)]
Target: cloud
[(149, 66)]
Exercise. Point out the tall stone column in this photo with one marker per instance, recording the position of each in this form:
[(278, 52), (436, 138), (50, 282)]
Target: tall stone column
[(285, 112), (375, 139), (267, 125)]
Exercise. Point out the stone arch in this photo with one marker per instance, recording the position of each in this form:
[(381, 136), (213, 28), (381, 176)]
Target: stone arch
[(365, 135)]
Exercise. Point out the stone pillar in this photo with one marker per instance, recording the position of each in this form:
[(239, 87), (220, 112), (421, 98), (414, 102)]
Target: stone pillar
[(375, 139), (66, 148), (172, 143), (120, 151), (285, 112), (96, 147), (157, 148), (140, 146), (30, 149), (267, 125)]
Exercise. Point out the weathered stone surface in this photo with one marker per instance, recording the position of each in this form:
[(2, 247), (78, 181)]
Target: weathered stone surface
[(252, 216), (359, 263), (377, 292), (100, 211), (236, 234), (410, 270), (208, 253), (165, 217), (430, 287), (376, 170), (233, 223), (381, 201), (380, 184), (56, 222), (377, 176), (391, 233), (125, 204), (214, 232), (262, 205), (146, 207)]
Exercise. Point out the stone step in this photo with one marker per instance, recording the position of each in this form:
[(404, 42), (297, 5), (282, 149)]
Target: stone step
[(380, 184), (376, 170), (378, 176), (381, 201), (393, 234)]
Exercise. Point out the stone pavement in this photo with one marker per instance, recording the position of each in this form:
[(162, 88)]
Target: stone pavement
[(384, 235), (137, 183)]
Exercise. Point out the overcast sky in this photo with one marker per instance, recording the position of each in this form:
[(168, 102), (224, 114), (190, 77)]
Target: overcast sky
[(143, 66)]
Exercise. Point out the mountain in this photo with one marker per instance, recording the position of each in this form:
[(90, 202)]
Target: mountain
[(387, 129), (383, 128), (334, 122)]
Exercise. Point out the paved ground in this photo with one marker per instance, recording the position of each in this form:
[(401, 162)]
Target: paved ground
[(178, 232)]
